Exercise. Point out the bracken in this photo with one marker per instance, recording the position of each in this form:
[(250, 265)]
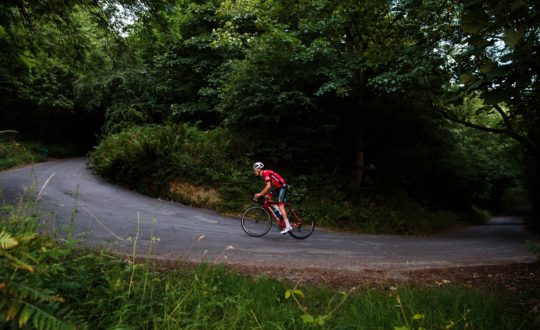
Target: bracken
[(188, 193)]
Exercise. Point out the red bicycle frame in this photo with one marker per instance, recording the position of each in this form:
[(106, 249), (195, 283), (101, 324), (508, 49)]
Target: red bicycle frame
[(268, 206)]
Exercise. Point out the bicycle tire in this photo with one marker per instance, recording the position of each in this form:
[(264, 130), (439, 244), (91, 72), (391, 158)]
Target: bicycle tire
[(256, 221), (301, 222)]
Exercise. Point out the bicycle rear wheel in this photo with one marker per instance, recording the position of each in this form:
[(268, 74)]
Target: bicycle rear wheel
[(256, 221), (301, 222)]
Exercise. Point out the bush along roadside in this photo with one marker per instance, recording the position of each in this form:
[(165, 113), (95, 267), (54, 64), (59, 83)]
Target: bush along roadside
[(178, 162), (15, 150), (14, 153)]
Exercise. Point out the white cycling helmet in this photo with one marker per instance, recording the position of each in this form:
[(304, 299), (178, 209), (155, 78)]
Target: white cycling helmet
[(258, 165)]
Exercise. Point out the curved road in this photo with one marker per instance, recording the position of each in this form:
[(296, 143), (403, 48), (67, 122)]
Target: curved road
[(107, 215)]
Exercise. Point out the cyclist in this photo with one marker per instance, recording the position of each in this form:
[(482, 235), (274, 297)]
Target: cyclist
[(279, 189)]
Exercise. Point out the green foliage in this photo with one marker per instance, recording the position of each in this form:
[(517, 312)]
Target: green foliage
[(16, 151), (107, 93), (307, 318), (498, 68), (45, 46), (6, 241), (370, 211), (169, 73), (488, 165), (417, 320), (160, 153), (128, 163), (13, 153), (498, 71), (24, 300), (263, 106)]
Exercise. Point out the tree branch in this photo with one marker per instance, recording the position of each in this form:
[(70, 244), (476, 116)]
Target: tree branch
[(505, 118), (507, 132)]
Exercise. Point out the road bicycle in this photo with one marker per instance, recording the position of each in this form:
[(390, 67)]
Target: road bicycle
[(257, 220)]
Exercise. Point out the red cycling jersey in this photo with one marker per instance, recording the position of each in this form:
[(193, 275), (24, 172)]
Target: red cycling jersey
[(276, 180)]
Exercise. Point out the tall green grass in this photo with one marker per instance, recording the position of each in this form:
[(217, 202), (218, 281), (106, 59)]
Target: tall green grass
[(211, 297)]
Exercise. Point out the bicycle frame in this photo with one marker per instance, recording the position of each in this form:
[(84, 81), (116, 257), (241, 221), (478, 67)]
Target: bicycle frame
[(268, 204)]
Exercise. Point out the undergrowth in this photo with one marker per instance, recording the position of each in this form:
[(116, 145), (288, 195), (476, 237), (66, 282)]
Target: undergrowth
[(56, 287), (15, 150), (208, 169), (14, 153)]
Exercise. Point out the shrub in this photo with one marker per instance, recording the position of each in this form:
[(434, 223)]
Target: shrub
[(13, 153), (161, 159)]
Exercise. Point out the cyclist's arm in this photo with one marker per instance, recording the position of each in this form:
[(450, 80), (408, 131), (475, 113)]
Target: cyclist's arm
[(265, 190)]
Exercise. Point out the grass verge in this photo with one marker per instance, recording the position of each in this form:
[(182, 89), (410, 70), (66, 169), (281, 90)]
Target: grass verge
[(14, 153), (16, 150)]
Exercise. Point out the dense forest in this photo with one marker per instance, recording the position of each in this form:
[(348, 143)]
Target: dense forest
[(382, 113)]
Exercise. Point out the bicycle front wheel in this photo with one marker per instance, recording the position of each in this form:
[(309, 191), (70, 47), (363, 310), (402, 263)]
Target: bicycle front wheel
[(256, 221), (301, 222)]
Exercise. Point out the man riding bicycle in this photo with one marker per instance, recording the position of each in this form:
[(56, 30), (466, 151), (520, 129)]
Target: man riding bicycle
[(279, 189)]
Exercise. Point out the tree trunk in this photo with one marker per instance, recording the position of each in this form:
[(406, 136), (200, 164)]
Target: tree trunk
[(533, 184), (359, 168), (356, 46)]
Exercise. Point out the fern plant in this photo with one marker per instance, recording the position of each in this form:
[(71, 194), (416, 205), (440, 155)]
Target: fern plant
[(23, 301), (6, 241)]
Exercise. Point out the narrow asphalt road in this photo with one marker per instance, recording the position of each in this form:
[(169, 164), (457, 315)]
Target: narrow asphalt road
[(106, 215)]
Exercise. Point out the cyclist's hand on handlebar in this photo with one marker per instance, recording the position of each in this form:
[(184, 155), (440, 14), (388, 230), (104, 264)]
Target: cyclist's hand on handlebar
[(256, 197)]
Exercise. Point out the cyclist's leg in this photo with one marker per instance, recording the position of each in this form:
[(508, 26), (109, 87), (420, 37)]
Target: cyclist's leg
[(281, 204), (281, 193), (269, 196)]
